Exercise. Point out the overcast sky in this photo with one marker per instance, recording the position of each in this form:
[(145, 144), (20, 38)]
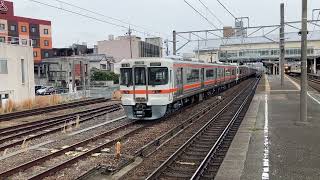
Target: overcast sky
[(155, 15)]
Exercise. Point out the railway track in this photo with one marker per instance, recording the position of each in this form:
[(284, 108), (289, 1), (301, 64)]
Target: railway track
[(151, 147), (32, 112), (94, 144), (194, 154), (52, 163), (29, 131), (313, 81)]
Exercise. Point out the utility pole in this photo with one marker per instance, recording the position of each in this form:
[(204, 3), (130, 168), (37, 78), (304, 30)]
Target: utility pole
[(73, 71), (167, 46), (174, 39), (304, 78), (282, 48), (73, 76), (198, 48), (129, 33)]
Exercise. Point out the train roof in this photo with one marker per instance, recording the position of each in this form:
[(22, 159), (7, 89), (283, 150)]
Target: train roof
[(173, 60)]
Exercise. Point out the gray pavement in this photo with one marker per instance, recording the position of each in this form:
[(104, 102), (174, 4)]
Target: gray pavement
[(291, 151)]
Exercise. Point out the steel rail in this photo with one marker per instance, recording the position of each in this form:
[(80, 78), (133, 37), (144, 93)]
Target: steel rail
[(145, 150), (171, 159), (87, 118), (32, 112), (313, 82), (51, 121), (154, 145), (39, 160), (67, 163), (201, 169)]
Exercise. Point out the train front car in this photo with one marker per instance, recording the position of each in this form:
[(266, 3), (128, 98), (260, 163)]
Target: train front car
[(146, 87)]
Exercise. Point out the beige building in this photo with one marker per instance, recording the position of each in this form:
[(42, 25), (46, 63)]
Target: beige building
[(119, 48), (16, 71)]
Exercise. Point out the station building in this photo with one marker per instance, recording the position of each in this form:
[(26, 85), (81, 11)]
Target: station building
[(266, 50), (16, 70), (39, 31)]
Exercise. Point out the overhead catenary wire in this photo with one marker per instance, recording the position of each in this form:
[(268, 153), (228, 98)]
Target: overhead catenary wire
[(109, 17), (314, 27), (201, 14), (87, 16), (203, 17), (227, 10), (203, 4)]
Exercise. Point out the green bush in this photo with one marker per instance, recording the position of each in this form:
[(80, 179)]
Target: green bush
[(105, 76)]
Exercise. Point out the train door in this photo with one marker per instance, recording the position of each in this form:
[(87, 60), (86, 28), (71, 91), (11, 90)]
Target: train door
[(216, 75), (202, 78), (140, 83), (179, 81)]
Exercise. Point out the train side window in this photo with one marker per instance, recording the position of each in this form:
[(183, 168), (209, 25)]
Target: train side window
[(227, 72), (158, 76), (210, 73), (193, 75)]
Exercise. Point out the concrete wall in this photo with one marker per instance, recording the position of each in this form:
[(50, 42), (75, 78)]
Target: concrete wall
[(11, 82), (119, 48)]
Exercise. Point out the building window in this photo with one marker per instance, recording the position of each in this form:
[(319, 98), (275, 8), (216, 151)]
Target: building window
[(22, 72), (3, 67), (46, 43), (45, 31), (35, 54), (13, 28), (23, 28), (103, 66), (3, 97), (2, 27), (46, 54), (33, 29), (24, 42), (2, 39), (34, 42)]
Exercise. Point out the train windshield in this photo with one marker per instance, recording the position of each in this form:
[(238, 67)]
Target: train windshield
[(158, 76), (126, 76), (140, 76)]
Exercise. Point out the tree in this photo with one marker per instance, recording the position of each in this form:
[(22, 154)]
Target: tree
[(99, 75)]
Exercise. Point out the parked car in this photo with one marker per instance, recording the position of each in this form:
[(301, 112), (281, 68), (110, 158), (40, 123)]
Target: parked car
[(37, 87), (47, 91)]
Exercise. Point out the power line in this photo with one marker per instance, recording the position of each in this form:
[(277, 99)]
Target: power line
[(314, 27), (103, 15), (201, 15), (227, 9), (86, 16), (211, 13)]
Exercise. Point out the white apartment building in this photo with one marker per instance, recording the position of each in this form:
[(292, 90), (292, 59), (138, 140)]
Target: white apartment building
[(16, 70)]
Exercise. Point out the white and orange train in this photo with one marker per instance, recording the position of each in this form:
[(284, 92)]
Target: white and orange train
[(154, 87)]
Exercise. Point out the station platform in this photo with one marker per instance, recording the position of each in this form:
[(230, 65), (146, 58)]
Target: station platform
[(271, 143)]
